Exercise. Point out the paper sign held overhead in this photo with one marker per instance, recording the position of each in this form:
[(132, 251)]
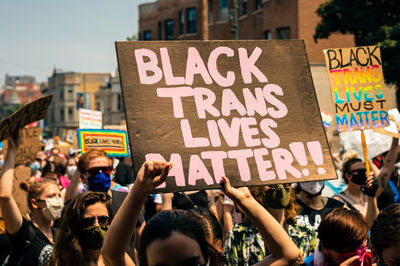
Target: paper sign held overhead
[(90, 119), (357, 87), (25, 115), (114, 142), (30, 145), (244, 109)]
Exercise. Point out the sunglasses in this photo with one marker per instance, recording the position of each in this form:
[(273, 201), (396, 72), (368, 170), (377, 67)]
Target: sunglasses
[(94, 170), (40, 160), (358, 171), (102, 220)]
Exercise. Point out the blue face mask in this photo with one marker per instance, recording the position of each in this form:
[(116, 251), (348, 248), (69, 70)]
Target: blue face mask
[(35, 166), (100, 182)]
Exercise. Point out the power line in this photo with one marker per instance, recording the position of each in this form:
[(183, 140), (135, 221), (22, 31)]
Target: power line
[(23, 65)]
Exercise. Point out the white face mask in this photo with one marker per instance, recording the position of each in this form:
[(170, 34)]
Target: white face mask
[(71, 169), (53, 208), (313, 187)]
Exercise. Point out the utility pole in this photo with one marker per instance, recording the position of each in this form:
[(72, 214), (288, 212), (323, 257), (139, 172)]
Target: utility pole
[(204, 23)]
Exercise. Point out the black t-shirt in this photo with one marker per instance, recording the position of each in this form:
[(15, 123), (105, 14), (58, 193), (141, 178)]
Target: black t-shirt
[(30, 244), (312, 217), (197, 200)]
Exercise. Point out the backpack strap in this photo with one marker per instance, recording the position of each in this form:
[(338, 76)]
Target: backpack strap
[(349, 201)]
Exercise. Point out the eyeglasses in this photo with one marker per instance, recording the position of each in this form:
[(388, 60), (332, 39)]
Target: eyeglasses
[(103, 220), (94, 170), (40, 160)]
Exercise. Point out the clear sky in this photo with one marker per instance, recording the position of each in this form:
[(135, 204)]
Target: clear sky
[(78, 35)]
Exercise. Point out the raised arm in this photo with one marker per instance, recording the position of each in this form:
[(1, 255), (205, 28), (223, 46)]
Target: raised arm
[(9, 208), (283, 249), (72, 189), (151, 175), (388, 166)]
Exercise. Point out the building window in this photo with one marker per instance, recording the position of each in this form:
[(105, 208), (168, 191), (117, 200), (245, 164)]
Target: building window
[(159, 30), (169, 29), (223, 11), (119, 104), (181, 22), (70, 114), (244, 7), (140, 36), (191, 20), (61, 93), (267, 35), (147, 35), (210, 11), (62, 115), (258, 4), (283, 33)]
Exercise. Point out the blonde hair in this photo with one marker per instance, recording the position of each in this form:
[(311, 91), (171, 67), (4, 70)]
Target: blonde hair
[(349, 155), (35, 189)]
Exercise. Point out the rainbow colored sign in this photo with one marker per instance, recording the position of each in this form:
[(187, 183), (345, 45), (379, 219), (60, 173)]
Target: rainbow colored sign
[(114, 142), (357, 87)]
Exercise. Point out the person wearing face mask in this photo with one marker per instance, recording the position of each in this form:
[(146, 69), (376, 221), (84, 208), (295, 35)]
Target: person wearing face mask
[(342, 240), (313, 206), (94, 171), (32, 241), (83, 228)]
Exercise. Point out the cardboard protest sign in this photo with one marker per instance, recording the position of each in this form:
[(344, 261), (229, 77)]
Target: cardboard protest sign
[(378, 141), (20, 195), (30, 145), (357, 87), (114, 142), (90, 119), (244, 109), (25, 115)]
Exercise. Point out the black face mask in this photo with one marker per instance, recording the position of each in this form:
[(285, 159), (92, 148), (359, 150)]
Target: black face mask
[(358, 177)]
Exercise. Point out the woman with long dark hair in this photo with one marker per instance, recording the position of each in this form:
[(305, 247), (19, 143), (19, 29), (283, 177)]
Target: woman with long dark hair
[(83, 227)]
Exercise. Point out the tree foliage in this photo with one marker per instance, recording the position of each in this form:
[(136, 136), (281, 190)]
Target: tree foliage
[(372, 22)]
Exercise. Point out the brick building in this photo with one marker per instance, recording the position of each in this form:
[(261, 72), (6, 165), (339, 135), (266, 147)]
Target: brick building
[(257, 19)]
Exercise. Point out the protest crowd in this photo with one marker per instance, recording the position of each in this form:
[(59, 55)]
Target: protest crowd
[(96, 205), (88, 209)]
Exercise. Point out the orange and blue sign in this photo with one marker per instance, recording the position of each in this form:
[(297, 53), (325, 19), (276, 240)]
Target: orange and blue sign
[(114, 142)]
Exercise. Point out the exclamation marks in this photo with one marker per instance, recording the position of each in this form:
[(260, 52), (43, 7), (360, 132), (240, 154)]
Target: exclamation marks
[(299, 153), (315, 150)]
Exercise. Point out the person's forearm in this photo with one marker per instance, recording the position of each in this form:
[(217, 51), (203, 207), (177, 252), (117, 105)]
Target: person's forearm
[(123, 226), (388, 166), (7, 176), (72, 189), (167, 201), (275, 237), (228, 220), (372, 211), (9, 208)]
